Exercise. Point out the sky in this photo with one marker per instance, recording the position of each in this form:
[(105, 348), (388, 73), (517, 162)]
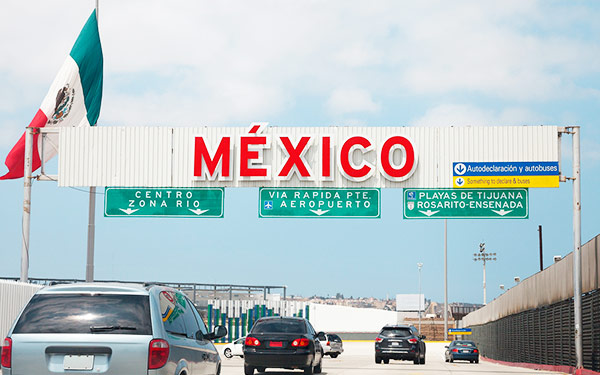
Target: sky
[(307, 63)]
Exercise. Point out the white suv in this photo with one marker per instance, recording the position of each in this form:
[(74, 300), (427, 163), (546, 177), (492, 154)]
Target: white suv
[(332, 344)]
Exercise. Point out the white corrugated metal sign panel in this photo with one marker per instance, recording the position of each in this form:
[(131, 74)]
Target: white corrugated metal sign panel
[(163, 157), (13, 297)]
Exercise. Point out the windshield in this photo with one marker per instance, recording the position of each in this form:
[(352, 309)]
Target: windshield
[(85, 313), (279, 326)]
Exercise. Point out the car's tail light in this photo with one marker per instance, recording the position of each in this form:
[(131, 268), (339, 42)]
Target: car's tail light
[(378, 339), (251, 341), (455, 350), (158, 354), (7, 353), (328, 344), (300, 342), (475, 351), (413, 341)]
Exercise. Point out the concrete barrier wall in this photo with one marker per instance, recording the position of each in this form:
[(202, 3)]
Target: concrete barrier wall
[(552, 285), (13, 298)]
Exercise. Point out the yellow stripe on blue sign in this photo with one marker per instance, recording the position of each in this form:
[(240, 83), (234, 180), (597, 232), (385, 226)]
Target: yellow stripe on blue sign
[(505, 182)]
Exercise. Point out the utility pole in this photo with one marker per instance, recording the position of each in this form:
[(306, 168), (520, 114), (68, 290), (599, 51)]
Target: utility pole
[(541, 249), (445, 279), (485, 257), (419, 266)]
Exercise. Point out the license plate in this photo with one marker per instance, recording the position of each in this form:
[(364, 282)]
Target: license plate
[(78, 362), (465, 351), (395, 343), (276, 344)]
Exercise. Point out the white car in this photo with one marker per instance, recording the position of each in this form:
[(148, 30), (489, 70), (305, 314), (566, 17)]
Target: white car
[(332, 344), (234, 348)]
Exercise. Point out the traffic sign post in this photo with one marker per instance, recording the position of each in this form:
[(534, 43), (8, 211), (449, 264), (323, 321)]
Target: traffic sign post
[(164, 202), (319, 203), (466, 204)]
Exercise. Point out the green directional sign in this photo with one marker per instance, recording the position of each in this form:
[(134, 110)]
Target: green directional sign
[(466, 204), (163, 202), (319, 203)]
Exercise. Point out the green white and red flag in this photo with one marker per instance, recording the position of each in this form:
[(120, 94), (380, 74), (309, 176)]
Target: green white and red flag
[(73, 99)]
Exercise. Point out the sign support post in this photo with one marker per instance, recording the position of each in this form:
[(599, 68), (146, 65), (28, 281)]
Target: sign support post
[(445, 279), (26, 204), (577, 246)]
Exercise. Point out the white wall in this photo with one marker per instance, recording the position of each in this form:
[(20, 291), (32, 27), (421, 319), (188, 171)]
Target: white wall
[(13, 297), (330, 318)]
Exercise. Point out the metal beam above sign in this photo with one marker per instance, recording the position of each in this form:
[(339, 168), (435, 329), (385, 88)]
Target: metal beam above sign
[(466, 204), (167, 202), (319, 203)]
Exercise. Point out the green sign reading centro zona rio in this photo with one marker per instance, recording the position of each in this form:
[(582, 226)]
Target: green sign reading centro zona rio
[(314, 203), (164, 202), (466, 204)]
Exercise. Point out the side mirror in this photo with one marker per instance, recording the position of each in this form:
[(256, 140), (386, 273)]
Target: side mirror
[(217, 333), (423, 337), (321, 335), (446, 346)]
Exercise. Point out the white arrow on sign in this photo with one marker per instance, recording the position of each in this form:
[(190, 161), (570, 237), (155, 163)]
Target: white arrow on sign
[(198, 211), (129, 211), (319, 211), (429, 212), (502, 212)]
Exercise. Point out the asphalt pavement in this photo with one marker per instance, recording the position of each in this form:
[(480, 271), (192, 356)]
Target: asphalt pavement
[(359, 359)]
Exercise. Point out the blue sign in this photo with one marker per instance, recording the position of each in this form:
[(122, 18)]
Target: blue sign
[(459, 331), (520, 168), (518, 174)]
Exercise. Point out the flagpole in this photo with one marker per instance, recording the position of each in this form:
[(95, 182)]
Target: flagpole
[(89, 267), (26, 204)]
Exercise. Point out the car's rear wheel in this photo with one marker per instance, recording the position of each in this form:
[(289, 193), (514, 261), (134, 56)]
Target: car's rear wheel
[(451, 359), (309, 370), (386, 360), (423, 360), (227, 353), (477, 360), (417, 360), (378, 360), (248, 370), (261, 369), (333, 355), (318, 368)]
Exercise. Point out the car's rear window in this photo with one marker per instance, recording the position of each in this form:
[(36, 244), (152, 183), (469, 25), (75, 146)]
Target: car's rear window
[(396, 332), (279, 326), (85, 313), (464, 343), (335, 338)]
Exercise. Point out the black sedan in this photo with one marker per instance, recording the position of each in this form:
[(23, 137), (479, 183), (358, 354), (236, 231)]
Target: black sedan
[(463, 350), (399, 342), (278, 342)]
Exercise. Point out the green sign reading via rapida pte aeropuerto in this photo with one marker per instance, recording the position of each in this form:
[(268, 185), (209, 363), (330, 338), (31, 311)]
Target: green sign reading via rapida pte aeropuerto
[(319, 203)]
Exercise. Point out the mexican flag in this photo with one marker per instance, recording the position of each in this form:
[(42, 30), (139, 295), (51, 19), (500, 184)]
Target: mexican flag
[(73, 99)]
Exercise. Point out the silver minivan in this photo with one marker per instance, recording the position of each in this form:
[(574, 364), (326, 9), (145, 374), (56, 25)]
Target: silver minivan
[(110, 329)]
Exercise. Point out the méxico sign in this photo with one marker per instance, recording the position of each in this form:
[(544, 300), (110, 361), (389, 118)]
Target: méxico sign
[(466, 204), (167, 202), (314, 203)]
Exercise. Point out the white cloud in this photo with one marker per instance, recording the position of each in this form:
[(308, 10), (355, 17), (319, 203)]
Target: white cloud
[(467, 115), (350, 101)]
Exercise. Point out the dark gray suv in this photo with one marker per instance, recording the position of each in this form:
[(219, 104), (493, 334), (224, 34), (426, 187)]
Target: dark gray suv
[(110, 329), (400, 342)]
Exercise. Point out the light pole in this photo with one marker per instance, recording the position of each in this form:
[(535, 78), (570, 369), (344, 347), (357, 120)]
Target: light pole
[(484, 257), (419, 266)]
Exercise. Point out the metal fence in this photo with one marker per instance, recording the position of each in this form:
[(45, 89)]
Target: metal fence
[(543, 335)]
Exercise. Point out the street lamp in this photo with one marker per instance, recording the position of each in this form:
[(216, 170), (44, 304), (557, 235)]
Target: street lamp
[(484, 257), (419, 266)]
